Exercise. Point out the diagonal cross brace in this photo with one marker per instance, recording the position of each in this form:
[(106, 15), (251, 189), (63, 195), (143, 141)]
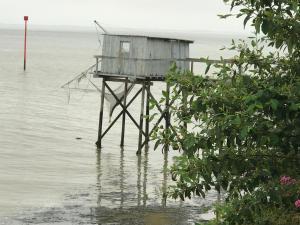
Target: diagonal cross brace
[(163, 114), (124, 108), (119, 115)]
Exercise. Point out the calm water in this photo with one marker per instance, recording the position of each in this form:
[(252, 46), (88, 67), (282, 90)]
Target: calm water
[(47, 174)]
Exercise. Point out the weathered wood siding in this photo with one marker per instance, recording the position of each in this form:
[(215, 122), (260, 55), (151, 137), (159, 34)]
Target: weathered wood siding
[(137, 62), (180, 50), (121, 64), (157, 49), (165, 50)]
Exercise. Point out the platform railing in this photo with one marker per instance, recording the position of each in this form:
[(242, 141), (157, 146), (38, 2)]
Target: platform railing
[(192, 61)]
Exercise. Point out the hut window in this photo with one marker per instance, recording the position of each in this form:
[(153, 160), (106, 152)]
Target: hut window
[(125, 47)]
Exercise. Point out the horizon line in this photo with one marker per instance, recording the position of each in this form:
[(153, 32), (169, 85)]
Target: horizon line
[(91, 28)]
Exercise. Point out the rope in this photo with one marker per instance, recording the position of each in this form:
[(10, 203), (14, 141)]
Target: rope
[(119, 91), (79, 77)]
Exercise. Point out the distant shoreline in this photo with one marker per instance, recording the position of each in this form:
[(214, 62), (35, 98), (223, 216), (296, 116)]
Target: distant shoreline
[(123, 30), (47, 28)]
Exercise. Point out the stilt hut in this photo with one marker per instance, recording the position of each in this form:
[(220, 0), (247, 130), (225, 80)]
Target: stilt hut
[(138, 60), (141, 56)]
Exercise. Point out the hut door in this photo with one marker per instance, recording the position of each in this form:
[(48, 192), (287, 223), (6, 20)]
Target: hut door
[(124, 55)]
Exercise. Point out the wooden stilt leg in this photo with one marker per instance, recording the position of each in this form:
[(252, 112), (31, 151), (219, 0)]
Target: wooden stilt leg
[(192, 67), (141, 121), (98, 143), (147, 114), (167, 112), (124, 113)]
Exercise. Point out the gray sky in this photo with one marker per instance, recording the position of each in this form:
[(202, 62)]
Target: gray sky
[(189, 15)]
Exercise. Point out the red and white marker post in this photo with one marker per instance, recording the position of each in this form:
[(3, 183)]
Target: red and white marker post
[(25, 41)]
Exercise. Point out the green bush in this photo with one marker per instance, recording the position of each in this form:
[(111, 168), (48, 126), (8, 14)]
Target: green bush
[(274, 205), (243, 131)]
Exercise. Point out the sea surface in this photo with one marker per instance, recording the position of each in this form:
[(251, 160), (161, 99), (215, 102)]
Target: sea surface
[(50, 169)]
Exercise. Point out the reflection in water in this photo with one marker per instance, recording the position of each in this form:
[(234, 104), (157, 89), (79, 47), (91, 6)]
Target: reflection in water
[(141, 183), (165, 177), (118, 200), (143, 186), (145, 196), (139, 174), (122, 177), (141, 213), (99, 174)]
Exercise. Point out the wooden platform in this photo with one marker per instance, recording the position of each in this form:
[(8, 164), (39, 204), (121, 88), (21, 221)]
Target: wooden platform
[(131, 78)]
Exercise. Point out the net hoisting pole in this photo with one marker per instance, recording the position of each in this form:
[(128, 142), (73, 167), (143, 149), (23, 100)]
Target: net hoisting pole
[(25, 41)]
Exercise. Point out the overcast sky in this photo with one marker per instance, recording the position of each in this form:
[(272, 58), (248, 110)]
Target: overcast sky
[(189, 15)]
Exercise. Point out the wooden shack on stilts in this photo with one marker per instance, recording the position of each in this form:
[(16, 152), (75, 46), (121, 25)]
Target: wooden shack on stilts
[(141, 61)]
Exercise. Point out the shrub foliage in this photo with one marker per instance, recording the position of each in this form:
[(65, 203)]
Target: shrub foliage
[(240, 131)]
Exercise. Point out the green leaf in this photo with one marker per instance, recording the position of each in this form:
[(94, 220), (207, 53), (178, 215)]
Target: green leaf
[(257, 24), (181, 197), (237, 121), (294, 107), (164, 93), (244, 133), (265, 26), (157, 143), (289, 13), (278, 43), (152, 116), (246, 19), (258, 105), (152, 104), (207, 68), (162, 100), (224, 16), (274, 104)]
